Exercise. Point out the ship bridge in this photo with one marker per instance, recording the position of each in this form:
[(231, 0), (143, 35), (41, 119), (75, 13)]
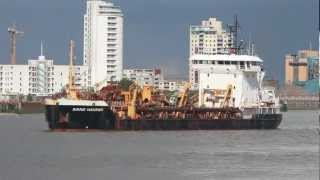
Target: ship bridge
[(227, 63), (232, 60)]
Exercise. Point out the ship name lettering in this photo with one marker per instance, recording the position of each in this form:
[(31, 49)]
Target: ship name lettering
[(95, 109), (79, 109)]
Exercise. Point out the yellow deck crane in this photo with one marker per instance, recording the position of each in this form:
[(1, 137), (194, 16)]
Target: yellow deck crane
[(138, 95), (227, 97), (134, 91), (183, 96), (146, 94)]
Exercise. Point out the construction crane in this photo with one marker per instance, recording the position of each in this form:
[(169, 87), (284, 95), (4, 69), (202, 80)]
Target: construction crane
[(13, 40), (71, 90)]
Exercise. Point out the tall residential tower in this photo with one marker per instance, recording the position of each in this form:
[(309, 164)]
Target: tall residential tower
[(103, 41), (210, 38)]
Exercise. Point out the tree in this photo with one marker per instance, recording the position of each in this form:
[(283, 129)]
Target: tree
[(125, 84), (29, 98)]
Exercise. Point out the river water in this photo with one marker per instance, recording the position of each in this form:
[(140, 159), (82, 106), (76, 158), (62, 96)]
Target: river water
[(29, 152)]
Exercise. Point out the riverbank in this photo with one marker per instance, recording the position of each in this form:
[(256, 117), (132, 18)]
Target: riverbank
[(8, 114), (22, 108)]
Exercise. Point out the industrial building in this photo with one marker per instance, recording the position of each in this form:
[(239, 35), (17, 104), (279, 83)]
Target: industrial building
[(297, 68), (303, 70)]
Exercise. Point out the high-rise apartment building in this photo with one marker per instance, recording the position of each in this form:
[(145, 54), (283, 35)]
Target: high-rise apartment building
[(103, 41), (210, 38)]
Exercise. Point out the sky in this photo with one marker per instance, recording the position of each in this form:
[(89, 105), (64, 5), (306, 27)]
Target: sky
[(156, 32)]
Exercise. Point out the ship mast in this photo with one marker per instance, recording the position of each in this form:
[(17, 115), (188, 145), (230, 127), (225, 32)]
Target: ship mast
[(71, 90), (234, 29)]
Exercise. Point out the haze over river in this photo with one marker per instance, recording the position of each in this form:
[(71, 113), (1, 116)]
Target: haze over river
[(29, 152)]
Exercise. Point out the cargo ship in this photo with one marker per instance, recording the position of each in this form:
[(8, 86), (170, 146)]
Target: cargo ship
[(144, 108), (229, 95)]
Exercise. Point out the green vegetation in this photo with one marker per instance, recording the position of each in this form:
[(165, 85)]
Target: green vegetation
[(125, 84), (29, 98)]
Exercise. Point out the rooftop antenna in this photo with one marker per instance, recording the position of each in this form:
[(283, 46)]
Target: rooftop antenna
[(249, 45), (310, 45), (253, 50), (41, 48)]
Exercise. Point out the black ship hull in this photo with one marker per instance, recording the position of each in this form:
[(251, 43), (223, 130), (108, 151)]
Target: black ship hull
[(79, 117), (70, 117), (265, 121)]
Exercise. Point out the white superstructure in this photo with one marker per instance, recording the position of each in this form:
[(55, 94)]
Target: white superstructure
[(103, 41), (203, 63), (218, 72), (209, 38)]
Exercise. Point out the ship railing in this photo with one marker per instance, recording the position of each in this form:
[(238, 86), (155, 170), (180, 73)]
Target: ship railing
[(268, 110)]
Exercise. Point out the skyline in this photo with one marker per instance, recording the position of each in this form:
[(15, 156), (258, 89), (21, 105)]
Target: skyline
[(151, 39)]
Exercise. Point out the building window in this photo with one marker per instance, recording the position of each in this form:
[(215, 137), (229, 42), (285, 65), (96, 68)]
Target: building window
[(111, 18), (111, 45), (196, 76), (111, 40), (112, 34), (111, 50), (111, 55)]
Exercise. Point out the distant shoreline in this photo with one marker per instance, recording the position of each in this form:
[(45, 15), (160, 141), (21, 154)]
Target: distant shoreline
[(2, 114), (11, 114)]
